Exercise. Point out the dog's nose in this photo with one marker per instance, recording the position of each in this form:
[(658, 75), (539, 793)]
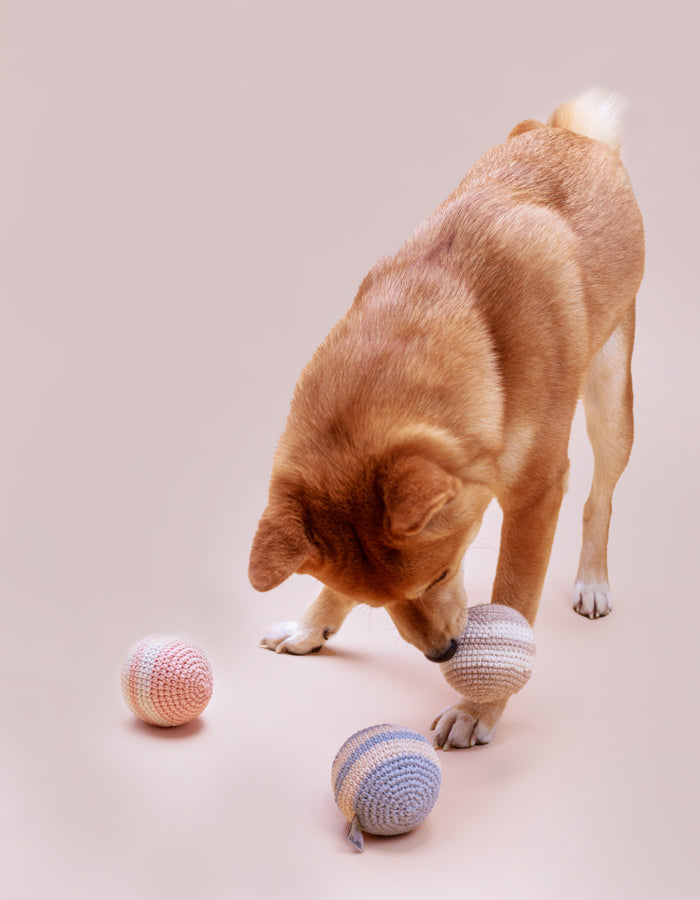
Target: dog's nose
[(446, 654)]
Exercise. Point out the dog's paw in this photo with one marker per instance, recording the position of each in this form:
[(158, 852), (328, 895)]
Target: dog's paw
[(592, 600), (465, 725), (293, 637)]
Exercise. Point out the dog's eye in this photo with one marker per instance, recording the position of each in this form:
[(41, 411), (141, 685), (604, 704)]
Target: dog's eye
[(441, 578)]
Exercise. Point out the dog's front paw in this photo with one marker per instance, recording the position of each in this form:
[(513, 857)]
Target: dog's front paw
[(466, 724), (293, 637), (592, 600)]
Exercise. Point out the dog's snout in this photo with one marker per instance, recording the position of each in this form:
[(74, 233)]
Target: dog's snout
[(446, 654)]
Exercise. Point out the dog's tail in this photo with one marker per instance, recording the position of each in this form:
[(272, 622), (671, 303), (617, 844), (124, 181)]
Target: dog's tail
[(596, 114)]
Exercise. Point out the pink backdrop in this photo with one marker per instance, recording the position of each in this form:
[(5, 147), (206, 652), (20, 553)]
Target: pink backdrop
[(191, 193)]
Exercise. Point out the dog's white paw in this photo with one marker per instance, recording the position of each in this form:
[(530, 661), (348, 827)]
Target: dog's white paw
[(461, 726), (293, 637), (592, 600)]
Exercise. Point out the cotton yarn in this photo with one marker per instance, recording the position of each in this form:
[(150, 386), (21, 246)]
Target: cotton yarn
[(495, 655), (386, 779), (166, 681)]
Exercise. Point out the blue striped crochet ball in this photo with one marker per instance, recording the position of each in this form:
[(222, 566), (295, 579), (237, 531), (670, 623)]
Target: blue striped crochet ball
[(386, 779)]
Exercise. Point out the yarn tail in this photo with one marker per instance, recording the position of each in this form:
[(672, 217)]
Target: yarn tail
[(597, 114), (355, 835)]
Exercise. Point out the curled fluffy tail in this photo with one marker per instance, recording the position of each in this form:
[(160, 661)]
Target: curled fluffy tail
[(596, 114)]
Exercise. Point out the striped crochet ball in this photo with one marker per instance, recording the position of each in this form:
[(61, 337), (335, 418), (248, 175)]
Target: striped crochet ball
[(495, 655), (386, 779), (166, 682)]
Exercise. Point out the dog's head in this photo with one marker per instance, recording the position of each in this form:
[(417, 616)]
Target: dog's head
[(389, 531)]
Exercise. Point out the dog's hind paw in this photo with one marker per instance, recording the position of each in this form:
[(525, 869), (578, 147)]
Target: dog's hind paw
[(466, 724), (293, 637), (592, 600)]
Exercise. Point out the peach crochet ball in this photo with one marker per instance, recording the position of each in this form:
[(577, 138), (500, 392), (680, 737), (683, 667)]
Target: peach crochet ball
[(166, 681)]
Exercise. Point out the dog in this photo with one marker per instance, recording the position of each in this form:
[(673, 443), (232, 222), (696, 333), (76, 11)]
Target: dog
[(452, 380)]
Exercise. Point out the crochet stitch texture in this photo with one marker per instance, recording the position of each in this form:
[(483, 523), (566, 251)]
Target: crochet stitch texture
[(386, 779), (495, 655), (166, 682)]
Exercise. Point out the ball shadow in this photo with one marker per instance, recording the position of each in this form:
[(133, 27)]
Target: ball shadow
[(174, 733)]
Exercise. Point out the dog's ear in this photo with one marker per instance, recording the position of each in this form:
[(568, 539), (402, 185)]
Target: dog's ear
[(526, 125), (414, 489), (280, 547)]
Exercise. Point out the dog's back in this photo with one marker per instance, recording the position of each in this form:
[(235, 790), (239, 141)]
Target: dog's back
[(550, 192), (523, 272)]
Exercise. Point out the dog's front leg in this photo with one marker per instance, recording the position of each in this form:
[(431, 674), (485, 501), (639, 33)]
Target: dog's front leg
[(526, 543), (322, 619)]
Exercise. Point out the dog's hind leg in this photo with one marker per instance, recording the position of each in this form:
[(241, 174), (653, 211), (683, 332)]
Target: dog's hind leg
[(607, 401)]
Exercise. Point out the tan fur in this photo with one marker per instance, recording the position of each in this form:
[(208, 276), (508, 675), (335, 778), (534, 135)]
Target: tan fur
[(453, 379)]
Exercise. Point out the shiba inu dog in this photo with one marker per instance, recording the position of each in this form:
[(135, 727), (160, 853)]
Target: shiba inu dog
[(453, 379)]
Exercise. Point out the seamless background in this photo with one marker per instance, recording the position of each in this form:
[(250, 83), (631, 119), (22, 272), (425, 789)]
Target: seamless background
[(190, 195)]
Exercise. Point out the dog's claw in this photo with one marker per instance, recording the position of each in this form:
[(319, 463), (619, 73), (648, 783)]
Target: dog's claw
[(592, 600), (464, 725)]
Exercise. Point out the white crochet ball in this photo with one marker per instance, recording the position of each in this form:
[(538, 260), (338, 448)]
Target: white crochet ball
[(495, 655)]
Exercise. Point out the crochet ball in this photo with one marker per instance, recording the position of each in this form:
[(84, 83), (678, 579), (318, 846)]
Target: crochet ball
[(386, 780), (166, 681), (495, 655)]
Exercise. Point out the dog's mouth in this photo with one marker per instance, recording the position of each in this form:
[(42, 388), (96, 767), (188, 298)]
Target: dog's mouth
[(446, 654)]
